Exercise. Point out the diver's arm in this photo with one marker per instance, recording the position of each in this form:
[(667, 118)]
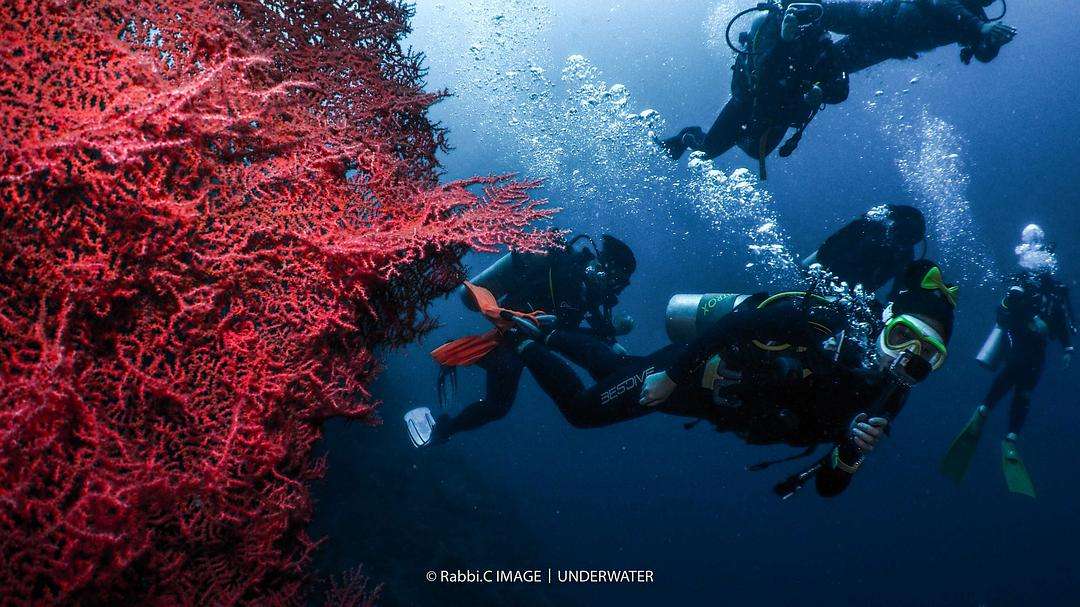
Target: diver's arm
[(966, 23), (844, 459)]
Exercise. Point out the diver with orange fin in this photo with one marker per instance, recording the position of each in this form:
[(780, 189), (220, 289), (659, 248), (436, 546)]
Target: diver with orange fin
[(551, 294)]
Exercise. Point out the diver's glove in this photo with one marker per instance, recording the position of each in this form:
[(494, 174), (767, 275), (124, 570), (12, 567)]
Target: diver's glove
[(656, 389), (996, 34), (1066, 359), (866, 431)]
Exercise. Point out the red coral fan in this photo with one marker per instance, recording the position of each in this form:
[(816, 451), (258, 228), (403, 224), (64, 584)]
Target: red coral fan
[(210, 215)]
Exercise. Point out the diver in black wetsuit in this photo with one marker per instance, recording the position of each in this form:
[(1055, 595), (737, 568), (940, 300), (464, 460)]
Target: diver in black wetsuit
[(774, 370), (876, 30), (873, 249), (781, 81), (575, 285), (1034, 310)]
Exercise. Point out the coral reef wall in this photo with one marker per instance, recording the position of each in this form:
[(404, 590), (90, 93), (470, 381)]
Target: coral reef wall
[(211, 215)]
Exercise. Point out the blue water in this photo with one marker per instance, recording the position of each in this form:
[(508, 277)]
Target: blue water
[(983, 149)]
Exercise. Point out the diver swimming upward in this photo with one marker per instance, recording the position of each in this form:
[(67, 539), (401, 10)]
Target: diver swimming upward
[(783, 77), (789, 68), (1034, 310), (769, 369)]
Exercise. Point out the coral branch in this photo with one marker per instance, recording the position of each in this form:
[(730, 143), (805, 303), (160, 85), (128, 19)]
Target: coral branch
[(211, 216)]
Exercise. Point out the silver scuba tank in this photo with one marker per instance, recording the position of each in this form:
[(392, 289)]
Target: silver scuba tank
[(497, 278), (689, 314), (993, 349)]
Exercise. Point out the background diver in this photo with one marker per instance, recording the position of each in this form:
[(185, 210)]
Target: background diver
[(772, 370), (1034, 310), (571, 284), (876, 30), (780, 80), (873, 249)]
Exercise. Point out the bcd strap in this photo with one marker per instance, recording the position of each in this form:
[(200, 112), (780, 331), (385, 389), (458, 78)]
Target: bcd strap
[(771, 462)]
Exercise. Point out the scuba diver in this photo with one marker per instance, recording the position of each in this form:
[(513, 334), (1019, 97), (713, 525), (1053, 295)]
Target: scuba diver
[(873, 249), (779, 369), (1034, 310), (876, 30), (783, 77), (569, 284)]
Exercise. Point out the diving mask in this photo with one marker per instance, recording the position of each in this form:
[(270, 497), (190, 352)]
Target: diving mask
[(806, 13), (906, 333)]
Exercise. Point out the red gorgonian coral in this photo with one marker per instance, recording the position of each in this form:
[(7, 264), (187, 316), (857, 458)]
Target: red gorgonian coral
[(211, 213)]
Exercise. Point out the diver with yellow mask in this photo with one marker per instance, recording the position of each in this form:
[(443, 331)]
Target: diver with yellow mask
[(781, 369)]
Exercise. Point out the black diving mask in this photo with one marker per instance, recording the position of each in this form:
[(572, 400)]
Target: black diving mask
[(807, 14)]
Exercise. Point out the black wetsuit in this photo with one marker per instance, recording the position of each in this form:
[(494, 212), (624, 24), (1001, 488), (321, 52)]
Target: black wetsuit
[(553, 282), (1035, 309), (862, 252), (767, 95), (876, 30), (789, 388)]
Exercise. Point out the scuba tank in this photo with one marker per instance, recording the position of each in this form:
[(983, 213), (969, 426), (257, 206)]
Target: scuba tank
[(497, 278), (688, 315), (993, 349)]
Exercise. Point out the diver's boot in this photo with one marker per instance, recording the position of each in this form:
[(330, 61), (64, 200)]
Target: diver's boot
[(688, 138), (1016, 474), (960, 452), (421, 426)]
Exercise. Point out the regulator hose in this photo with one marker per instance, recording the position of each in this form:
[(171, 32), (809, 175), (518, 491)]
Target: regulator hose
[(764, 6)]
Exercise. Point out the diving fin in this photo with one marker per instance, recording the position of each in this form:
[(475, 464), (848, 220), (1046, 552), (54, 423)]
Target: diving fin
[(421, 426), (958, 458), (1016, 475)]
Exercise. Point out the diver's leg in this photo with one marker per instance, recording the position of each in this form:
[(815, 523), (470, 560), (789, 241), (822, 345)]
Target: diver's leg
[(1027, 379), (725, 131), (846, 17), (609, 402), (858, 52), (760, 144), (503, 369), (1003, 382), (587, 351)]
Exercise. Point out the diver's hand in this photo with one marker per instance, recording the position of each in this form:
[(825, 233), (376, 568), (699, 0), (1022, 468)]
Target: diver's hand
[(813, 97), (1066, 359), (656, 389), (997, 34), (867, 432)]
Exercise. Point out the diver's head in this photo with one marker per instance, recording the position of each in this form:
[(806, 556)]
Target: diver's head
[(1033, 254), (908, 225), (610, 272), (799, 17), (1032, 235), (920, 317)]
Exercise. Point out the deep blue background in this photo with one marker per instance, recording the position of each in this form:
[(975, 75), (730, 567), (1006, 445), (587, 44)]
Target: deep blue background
[(530, 491)]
